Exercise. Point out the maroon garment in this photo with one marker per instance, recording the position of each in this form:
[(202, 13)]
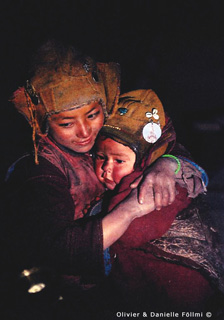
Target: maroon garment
[(161, 281), (84, 186), (44, 202), (154, 224), (144, 280)]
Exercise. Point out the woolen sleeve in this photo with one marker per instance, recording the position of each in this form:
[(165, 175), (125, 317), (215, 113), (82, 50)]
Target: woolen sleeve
[(190, 176)]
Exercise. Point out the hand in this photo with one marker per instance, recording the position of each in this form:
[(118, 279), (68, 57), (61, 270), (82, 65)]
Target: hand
[(116, 222), (157, 184), (134, 208)]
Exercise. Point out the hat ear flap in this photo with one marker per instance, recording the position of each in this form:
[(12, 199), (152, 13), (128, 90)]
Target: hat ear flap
[(19, 99), (24, 105), (110, 73)]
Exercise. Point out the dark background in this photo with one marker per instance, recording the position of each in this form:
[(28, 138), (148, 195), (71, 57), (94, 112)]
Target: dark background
[(173, 47)]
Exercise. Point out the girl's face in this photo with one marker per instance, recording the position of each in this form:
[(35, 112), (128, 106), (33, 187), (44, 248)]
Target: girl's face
[(113, 161), (77, 129)]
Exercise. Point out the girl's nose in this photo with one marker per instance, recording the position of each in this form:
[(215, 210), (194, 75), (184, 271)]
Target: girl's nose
[(83, 130)]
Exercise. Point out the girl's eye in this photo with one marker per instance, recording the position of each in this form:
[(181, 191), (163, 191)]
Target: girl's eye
[(93, 115), (119, 161), (65, 125)]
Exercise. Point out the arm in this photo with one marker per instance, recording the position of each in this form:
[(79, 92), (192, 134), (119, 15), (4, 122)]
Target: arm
[(162, 178), (118, 220), (154, 225), (161, 174), (41, 229)]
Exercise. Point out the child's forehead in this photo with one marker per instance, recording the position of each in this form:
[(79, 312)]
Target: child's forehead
[(108, 141), (111, 145)]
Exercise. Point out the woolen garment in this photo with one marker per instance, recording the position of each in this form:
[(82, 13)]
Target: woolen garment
[(44, 205), (152, 266)]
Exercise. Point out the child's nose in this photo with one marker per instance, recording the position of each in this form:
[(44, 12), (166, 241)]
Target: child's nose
[(107, 166)]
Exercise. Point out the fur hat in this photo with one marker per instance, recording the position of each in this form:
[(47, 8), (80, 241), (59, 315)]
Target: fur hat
[(137, 121), (63, 80)]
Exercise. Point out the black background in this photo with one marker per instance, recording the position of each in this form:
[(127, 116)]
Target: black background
[(173, 47)]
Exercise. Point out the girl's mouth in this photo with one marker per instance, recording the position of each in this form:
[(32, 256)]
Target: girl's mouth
[(85, 142)]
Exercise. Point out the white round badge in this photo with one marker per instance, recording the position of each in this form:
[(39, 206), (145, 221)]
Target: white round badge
[(151, 132)]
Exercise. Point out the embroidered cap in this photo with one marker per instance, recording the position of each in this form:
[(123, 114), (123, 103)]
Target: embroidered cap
[(63, 80), (137, 121)]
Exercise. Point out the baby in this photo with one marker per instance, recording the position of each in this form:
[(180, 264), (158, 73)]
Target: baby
[(151, 259), (132, 138)]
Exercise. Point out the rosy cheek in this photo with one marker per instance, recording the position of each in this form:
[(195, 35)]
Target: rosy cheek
[(98, 170), (118, 175)]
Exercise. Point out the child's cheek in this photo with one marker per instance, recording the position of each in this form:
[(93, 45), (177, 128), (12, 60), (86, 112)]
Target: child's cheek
[(98, 170), (118, 175)]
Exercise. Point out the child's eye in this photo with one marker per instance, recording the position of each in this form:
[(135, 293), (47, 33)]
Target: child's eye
[(93, 115), (119, 161), (99, 157)]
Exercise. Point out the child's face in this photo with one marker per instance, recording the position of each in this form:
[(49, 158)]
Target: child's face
[(113, 161)]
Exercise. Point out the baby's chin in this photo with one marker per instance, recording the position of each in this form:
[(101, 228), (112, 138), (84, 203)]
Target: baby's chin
[(110, 187), (109, 184)]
